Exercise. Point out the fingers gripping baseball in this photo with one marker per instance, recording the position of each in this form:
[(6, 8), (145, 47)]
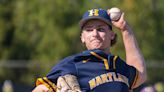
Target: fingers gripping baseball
[(117, 17), (121, 23), (68, 83), (114, 13)]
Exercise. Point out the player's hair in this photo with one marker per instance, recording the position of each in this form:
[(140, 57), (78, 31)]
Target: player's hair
[(115, 37), (114, 40)]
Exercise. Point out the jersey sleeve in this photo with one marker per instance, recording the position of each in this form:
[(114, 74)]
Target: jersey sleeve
[(130, 71), (66, 66), (61, 70), (133, 76)]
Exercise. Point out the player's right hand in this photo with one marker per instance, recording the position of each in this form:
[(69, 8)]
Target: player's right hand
[(121, 23), (41, 88)]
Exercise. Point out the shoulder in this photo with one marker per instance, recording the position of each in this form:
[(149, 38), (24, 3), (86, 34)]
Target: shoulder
[(70, 59), (65, 61), (120, 64), (65, 66), (117, 60)]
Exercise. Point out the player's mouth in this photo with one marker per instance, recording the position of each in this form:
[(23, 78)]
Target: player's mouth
[(96, 43)]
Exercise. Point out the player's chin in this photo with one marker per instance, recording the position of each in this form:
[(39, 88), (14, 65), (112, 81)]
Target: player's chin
[(98, 46)]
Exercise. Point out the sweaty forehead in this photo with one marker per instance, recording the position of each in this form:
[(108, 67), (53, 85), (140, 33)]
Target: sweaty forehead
[(94, 23)]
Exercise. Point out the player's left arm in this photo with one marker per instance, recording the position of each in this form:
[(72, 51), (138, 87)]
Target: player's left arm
[(133, 55)]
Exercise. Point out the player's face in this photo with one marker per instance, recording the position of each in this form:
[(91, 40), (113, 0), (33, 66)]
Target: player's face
[(97, 35)]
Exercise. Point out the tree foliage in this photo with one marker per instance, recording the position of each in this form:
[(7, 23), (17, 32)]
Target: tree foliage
[(45, 31)]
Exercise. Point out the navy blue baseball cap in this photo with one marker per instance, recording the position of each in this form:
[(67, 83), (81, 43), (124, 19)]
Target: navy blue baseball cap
[(99, 14)]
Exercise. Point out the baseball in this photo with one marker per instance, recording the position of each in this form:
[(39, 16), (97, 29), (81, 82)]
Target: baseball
[(115, 13)]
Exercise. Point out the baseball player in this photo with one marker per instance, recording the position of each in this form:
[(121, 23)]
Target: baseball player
[(97, 69)]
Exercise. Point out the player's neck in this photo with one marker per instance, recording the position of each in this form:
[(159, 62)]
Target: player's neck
[(107, 51)]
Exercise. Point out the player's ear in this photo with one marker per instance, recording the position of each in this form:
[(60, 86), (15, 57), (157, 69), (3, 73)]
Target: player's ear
[(112, 35), (82, 38)]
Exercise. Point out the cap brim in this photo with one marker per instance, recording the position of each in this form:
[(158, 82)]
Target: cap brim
[(83, 21)]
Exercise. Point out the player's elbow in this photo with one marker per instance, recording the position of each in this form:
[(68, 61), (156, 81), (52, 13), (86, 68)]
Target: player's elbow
[(142, 74), (143, 77)]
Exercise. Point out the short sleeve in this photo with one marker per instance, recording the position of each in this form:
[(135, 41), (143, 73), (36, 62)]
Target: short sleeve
[(133, 76), (129, 71), (64, 67)]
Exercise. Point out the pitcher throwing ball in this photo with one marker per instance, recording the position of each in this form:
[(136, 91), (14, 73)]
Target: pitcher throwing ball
[(97, 69)]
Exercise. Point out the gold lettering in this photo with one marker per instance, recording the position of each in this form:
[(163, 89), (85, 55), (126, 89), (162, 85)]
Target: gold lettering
[(104, 78), (124, 79), (98, 80), (109, 76), (92, 83), (114, 76), (120, 78)]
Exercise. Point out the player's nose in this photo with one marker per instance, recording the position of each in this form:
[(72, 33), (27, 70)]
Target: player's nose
[(94, 32)]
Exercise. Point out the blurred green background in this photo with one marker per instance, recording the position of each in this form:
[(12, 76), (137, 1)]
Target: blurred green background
[(36, 34)]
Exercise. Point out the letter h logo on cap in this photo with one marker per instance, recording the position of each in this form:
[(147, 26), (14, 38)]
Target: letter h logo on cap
[(94, 12), (99, 14)]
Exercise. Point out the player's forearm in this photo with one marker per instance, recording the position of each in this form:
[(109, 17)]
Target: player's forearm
[(133, 54)]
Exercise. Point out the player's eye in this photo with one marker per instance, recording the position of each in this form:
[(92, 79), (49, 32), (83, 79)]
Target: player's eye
[(100, 29), (89, 30)]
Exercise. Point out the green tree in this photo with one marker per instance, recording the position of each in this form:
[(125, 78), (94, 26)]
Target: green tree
[(41, 32)]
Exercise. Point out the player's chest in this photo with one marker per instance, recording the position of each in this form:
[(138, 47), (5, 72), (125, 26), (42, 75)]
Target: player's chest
[(93, 76)]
